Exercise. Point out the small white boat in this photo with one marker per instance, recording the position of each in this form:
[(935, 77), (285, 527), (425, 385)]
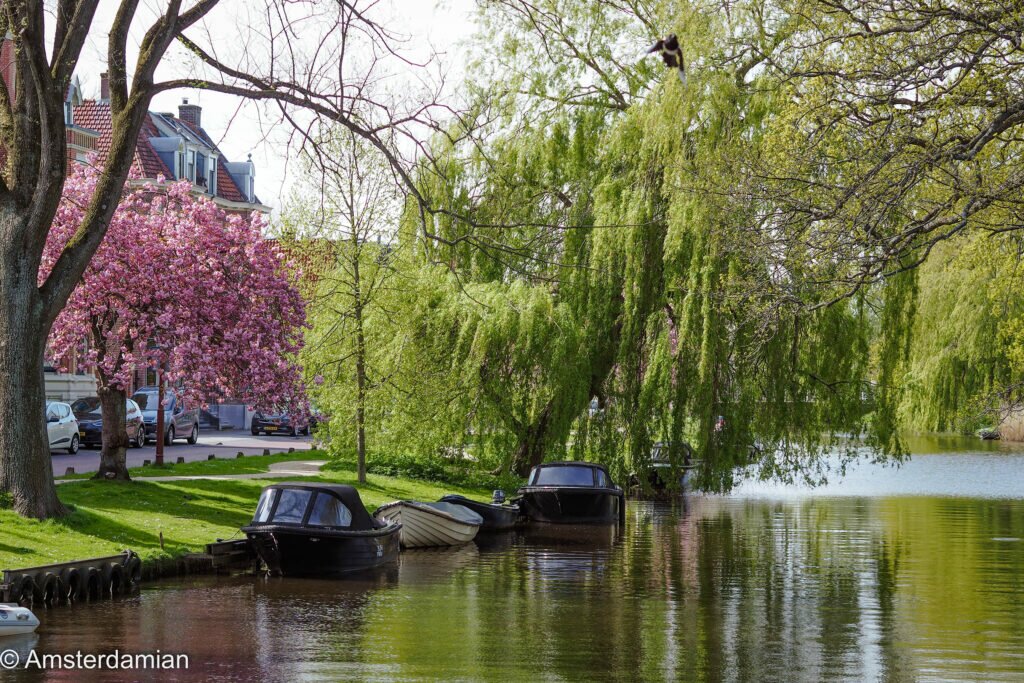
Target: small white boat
[(16, 620), (431, 524)]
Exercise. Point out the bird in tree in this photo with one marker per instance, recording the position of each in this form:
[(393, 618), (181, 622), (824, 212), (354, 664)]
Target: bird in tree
[(671, 54)]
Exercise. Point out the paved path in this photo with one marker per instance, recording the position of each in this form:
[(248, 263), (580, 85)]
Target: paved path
[(295, 468), (222, 444)]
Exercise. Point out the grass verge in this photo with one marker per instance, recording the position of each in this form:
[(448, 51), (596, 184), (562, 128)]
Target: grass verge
[(108, 517)]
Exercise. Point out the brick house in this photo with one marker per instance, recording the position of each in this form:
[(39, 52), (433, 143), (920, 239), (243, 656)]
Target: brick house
[(172, 147)]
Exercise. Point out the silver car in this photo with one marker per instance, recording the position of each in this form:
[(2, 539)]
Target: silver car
[(61, 427)]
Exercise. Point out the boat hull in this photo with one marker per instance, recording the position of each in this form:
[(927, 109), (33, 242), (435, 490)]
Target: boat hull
[(16, 620), (496, 517), (308, 552), (424, 527), (571, 505)]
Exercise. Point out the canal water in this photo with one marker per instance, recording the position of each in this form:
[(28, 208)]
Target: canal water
[(909, 574)]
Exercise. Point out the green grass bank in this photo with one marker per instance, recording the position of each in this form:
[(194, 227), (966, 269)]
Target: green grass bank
[(108, 517)]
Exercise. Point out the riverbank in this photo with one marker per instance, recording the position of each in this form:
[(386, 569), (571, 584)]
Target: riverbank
[(108, 517)]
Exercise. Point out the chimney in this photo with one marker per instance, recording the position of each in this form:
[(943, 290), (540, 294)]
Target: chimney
[(190, 113), (104, 87)]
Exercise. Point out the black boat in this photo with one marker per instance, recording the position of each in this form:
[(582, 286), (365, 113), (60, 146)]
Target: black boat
[(497, 516), (312, 529), (571, 493), (661, 468)]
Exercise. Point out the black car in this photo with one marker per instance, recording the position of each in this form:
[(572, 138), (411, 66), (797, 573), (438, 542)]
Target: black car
[(90, 422), (276, 423), (180, 422)]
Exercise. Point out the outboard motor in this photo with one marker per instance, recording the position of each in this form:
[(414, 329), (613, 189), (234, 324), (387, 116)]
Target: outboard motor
[(498, 497)]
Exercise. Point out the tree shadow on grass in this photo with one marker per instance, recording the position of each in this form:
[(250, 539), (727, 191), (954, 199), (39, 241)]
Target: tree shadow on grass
[(15, 549), (133, 514)]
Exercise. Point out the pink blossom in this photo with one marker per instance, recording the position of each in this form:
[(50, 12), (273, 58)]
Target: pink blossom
[(179, 281)]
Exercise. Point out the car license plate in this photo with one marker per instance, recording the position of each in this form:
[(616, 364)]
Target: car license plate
[(270, 428)]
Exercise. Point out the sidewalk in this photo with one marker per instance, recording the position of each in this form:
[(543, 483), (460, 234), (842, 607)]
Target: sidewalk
[(297, 468)]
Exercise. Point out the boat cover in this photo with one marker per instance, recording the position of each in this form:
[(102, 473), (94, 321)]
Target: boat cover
[(459, 512), (361, 519)]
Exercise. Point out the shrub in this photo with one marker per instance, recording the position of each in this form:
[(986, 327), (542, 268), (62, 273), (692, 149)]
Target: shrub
[(438, 470)]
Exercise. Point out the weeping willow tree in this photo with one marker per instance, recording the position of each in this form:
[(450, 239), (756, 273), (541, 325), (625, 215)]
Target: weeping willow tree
[(894, 166), (702, 336), (625, 279), (963, 367), (614, 258)]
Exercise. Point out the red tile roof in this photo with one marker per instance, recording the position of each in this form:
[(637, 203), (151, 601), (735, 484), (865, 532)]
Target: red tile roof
[(96, 116), (226, 186)]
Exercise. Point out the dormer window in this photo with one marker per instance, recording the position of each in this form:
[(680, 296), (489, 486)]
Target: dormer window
[(69, 114)]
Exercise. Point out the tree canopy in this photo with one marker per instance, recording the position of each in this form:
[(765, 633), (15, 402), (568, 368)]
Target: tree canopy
[(803, 249)]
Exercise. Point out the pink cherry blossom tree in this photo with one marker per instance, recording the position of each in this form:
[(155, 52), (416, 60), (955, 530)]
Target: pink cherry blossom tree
[(179, 282)]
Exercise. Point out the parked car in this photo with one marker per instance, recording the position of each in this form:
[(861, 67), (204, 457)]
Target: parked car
[(180, 421), (276, 423), (61, 427), (90, 422)]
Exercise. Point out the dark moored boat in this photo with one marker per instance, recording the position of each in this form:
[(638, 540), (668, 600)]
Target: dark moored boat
[(497, 516), (661, 467), (311, 529), (571, 493)]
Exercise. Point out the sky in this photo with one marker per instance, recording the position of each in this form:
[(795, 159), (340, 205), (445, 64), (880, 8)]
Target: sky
[(243, 128)]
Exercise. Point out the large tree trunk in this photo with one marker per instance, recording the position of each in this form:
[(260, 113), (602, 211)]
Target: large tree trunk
[(533, 441), (25, 467), (113, 457)]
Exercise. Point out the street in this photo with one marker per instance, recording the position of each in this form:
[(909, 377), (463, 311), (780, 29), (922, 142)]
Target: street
[(224, 444)]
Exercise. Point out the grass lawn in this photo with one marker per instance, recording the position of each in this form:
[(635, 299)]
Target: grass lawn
[(108, 517)]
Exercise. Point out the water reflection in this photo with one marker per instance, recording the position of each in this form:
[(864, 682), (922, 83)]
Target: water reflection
[(738, 588)]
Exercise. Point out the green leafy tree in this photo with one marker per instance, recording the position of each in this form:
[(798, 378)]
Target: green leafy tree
[(343, 217)]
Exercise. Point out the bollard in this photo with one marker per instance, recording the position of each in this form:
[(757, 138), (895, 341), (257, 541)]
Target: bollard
[(211, 456), (147, 463), (180, 460), (70, 470), (266, 451)]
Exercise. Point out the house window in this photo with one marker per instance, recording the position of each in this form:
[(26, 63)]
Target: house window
[(212, 185), (181, 166), (190, 172), (69, 117)]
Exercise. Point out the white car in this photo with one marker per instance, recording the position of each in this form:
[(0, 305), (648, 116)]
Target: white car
[(61, 427)]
